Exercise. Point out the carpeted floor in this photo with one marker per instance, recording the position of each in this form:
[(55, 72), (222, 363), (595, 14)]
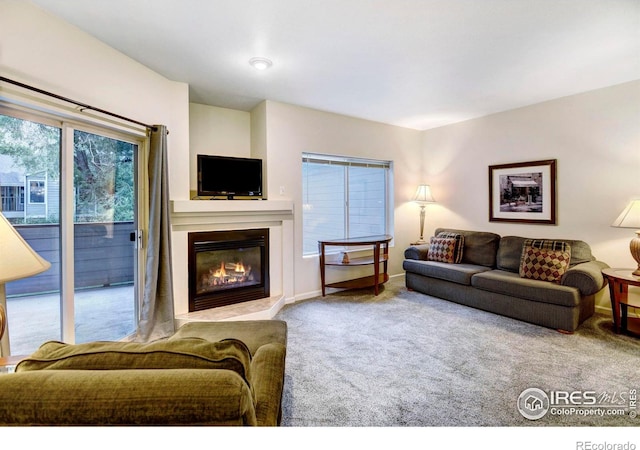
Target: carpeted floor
[(406, 359)]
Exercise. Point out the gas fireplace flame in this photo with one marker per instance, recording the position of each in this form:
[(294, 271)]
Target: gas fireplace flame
[(227, 274), (220, 273)]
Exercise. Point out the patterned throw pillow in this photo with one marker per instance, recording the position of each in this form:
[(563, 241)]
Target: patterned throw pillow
[(441, 249), (547, 244), (457, 257), (544, 264)]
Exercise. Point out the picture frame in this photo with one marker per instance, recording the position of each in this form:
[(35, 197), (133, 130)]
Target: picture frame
[(523, 192)]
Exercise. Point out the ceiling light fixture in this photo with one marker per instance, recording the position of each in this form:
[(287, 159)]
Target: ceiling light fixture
[(260, 63)]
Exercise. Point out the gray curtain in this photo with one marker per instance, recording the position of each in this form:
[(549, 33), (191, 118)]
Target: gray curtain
[(157, 312)]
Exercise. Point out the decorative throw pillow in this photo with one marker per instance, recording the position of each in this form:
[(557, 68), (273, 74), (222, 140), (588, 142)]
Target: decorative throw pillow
[(457, 257), (547, 244), (441, 249), (543, 264)]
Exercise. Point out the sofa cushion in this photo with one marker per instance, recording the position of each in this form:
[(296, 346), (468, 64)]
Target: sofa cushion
[(547, 244), (480, 247), (545, 264), (456, 273), (510, 252), (509, 283), (442, 249), (459, 246), (188, 353)]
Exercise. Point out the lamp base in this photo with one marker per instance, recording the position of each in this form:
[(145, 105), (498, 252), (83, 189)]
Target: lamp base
[(5, 347), (634, 246)]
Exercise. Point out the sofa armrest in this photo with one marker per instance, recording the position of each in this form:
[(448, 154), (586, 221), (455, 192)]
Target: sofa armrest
[(418, 252), (126, 397), (587, 277), (268, 383)]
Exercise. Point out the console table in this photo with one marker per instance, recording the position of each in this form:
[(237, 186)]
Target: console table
[(380, 254)]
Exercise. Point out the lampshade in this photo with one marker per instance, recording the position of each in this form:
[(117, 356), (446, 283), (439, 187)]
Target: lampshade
[(423, 194), (17, 258), (630, 217)]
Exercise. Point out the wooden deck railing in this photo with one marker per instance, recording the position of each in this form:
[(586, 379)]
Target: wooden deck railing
[(104, 255)]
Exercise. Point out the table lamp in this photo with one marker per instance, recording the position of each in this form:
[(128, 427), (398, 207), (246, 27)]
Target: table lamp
[(422, 197), (17, 260), (630, 218)]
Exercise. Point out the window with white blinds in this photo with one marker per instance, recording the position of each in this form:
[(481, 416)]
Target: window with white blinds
[(343, 197)]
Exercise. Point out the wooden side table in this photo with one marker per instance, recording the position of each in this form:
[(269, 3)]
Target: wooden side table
[(619, 282), (380, 254)]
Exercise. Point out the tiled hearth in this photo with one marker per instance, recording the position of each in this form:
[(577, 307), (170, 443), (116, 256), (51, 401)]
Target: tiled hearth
[(218, 215), (253, 310)]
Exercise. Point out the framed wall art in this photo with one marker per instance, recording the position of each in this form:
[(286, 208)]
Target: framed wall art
[(523, 192)]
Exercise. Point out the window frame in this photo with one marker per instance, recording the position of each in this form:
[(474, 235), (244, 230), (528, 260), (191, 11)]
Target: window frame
[(349, 161), (14, 196), (44, 191)]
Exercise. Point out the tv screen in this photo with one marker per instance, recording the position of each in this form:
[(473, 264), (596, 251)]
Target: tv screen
[(229, 176)]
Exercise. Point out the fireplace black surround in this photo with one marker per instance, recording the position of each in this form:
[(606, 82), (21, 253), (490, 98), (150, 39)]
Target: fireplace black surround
[(227, 267)]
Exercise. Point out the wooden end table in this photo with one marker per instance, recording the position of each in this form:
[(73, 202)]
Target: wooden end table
[(619, 282)]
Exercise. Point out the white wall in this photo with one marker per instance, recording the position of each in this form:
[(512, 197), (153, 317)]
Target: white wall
[(291, 130), (41, 50), (279, 133), (595, 137), (217, 131), (259, 142)]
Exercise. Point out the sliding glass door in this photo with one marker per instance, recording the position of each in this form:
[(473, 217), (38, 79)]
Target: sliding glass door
[(74, 197), (30, 168), (104, 187)]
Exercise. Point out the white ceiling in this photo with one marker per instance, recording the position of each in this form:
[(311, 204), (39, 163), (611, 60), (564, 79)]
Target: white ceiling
[(414, 63)]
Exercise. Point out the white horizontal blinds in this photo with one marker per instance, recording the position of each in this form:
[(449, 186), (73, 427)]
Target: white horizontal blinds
[(344, 161), (343, 197), (367, 201), (323, 193)]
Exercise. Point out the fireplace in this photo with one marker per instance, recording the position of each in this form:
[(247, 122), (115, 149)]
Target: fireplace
[(227, 267)]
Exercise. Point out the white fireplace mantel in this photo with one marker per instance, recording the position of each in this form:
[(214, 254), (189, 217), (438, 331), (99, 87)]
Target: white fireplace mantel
[(194, 212)]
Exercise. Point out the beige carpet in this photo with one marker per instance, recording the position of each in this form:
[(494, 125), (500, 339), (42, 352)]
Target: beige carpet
[(406, 359)]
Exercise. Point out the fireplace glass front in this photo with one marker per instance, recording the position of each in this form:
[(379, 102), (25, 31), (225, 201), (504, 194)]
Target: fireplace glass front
[(227, 267)]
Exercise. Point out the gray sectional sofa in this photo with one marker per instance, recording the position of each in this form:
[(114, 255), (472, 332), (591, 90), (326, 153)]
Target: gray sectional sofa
[(488, 278)]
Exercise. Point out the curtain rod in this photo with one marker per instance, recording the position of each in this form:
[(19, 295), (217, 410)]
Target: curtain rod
[(82, 105)]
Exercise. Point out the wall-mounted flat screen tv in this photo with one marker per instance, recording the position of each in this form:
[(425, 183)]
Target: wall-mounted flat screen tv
[(226, 176)]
